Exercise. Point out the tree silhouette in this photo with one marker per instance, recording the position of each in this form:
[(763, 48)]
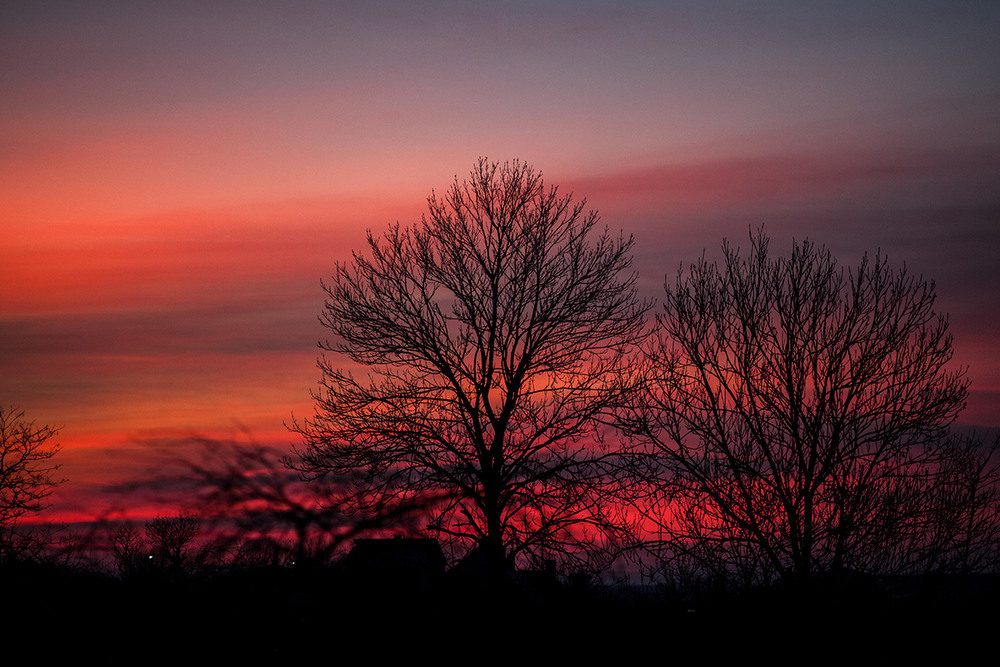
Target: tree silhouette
[(26, 475), (961, 534), (489, 342), (127, 547), (262, 512), (795, 415), (170, 538)]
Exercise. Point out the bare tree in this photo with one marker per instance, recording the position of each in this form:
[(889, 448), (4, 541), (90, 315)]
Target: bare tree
[(128, 548), (961, 535), (490, 340), (794, 415), (171, 539), (26, 474), (260, 509)]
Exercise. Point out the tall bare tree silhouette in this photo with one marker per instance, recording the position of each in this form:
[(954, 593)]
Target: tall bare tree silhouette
[(795, 415), (476, 355)]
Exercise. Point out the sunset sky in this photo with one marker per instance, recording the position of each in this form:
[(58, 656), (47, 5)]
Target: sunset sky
[(177, 177)]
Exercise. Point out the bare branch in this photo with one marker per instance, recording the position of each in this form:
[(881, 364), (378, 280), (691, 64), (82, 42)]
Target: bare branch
[(494, 336), (793, 413)]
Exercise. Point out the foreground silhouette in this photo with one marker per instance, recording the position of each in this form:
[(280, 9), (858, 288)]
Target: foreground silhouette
[(271, 615), (493, 340), (27, 479), (783, 469), (795, 425)]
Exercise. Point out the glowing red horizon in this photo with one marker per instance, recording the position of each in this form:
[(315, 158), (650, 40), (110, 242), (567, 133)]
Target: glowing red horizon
[(177, 181)]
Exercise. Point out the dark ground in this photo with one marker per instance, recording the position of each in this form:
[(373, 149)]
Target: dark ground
[(280, 616)]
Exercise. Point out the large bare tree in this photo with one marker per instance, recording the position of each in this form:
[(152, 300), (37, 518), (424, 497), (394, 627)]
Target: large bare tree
[(477, 354), (795, 415)]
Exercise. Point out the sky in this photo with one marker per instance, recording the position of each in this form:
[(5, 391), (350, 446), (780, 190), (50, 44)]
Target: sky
[(176, 178)]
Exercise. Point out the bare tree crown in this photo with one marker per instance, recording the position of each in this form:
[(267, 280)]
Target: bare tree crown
[(795, 411), (26, 467), (494, 335)]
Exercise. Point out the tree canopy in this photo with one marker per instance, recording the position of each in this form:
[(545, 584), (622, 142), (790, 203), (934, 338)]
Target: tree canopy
[(795, 414), (26, 475), (477, 356)]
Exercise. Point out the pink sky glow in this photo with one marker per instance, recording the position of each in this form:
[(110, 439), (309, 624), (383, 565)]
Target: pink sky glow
[(177, 178)]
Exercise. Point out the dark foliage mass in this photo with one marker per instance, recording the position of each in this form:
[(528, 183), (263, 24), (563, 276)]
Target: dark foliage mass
[(274, 615)]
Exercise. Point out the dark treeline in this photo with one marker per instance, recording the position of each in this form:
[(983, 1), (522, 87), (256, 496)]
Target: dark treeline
[(502, 425)]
